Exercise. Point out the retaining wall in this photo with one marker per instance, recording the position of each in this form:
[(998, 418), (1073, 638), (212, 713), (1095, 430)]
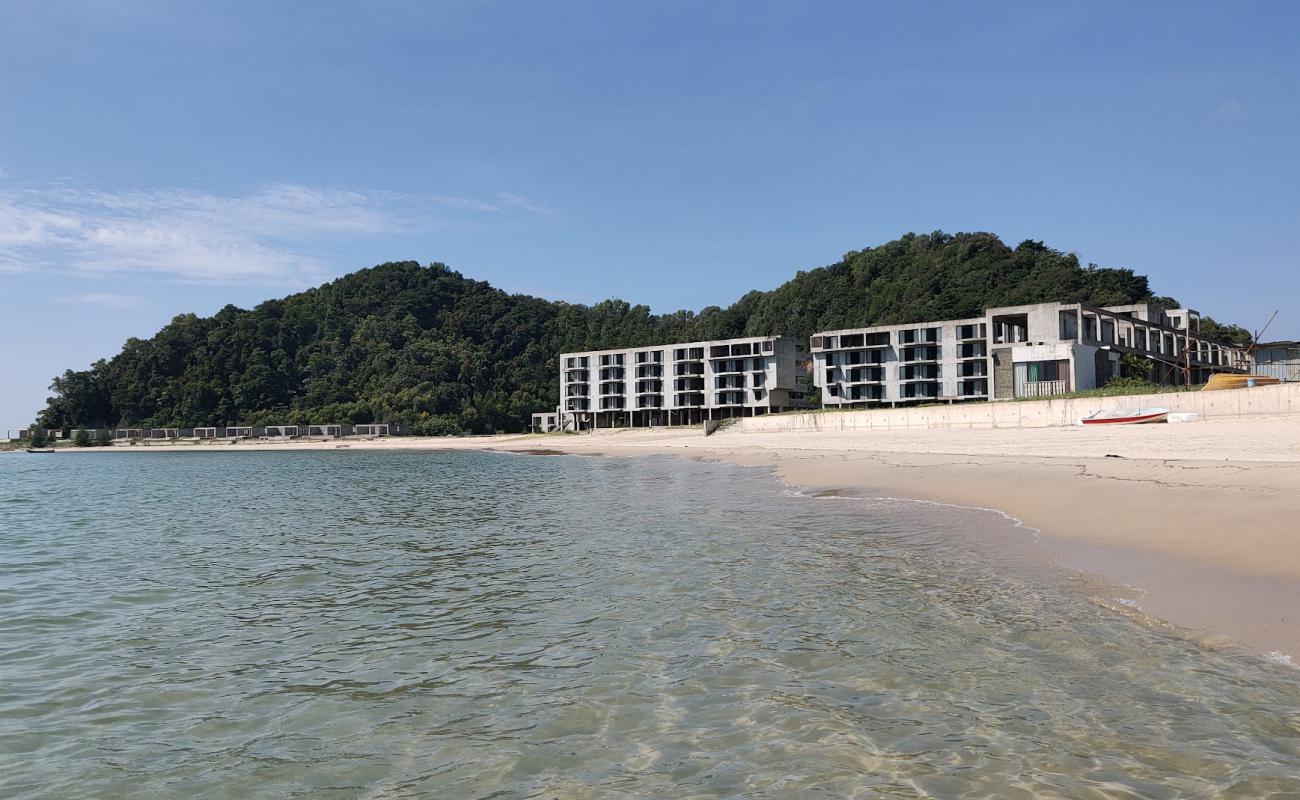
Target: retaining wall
[(1229, 404)]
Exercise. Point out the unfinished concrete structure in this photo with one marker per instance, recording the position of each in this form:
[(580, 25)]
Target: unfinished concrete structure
[(1039, 350), (682, 384)]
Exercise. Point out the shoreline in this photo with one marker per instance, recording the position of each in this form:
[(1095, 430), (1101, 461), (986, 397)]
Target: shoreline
[(1201, 519)]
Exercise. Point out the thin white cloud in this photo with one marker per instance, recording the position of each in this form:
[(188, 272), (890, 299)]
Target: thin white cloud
[(514, 201), (121, 302), (267, 235), (464, 203), (9, 266)]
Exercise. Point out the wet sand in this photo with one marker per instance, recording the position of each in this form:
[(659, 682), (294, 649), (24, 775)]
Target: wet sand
[(1201, 520)]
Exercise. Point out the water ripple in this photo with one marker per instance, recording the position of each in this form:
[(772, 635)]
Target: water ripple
[(482, 625)]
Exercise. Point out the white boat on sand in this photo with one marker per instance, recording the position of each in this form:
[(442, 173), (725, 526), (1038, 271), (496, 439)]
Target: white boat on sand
[(1127, 416)]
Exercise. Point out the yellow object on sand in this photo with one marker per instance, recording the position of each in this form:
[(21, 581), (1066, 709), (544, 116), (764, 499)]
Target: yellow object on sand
[(1228, 381)]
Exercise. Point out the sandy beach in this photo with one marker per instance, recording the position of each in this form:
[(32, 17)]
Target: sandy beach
[(1197, 524)]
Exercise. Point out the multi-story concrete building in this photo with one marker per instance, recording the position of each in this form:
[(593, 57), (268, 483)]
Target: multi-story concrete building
[(1017, 351), (682, 384)]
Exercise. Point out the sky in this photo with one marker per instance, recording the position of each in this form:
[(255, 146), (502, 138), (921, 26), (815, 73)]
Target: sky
[(160, 158)]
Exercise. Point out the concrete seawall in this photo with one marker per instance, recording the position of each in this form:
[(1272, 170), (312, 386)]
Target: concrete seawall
[(1231, 404)]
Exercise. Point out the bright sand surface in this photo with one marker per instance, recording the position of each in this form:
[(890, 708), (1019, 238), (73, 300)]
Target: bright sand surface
[(1196, 523)]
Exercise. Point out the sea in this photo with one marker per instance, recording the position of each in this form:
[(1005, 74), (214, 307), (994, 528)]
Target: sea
[(350, 624)]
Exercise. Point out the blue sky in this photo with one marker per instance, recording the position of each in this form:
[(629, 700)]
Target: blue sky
[(158, 158)]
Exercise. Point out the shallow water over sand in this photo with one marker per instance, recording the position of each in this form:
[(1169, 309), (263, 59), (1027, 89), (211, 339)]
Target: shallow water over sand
[(486, 625)]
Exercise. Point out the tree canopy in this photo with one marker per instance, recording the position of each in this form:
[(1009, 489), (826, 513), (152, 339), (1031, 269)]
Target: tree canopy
[(425, 346)]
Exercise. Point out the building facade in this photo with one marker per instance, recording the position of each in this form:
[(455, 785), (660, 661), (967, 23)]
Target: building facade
[(1038, 350), (1279, 360), (682, 384), (545, 422)]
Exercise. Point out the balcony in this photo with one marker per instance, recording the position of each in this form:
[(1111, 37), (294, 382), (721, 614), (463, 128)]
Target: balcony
[(914, 355), (920, 372), (1014, 328), (850, 341), (733, 398), (972, 331), (577, 376), (1042, 388), (607, 389), (919, 336), (972, 350), (865, 375), (864, 394), (919, 391), (855, 358), (688, 400)]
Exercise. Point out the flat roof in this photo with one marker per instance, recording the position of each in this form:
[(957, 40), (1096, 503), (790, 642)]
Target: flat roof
[(704, 343)]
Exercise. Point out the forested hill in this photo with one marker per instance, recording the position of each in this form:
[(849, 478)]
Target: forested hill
[(426, 346)]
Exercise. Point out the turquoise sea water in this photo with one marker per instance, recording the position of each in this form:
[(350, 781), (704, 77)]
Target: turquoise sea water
[(475, 625)]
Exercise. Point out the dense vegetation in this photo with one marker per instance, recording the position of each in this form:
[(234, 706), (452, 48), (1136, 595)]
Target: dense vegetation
[(428, 347)]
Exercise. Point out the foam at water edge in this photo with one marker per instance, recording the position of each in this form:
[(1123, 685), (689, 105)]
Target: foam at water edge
[(822, 494), (1278, 657)]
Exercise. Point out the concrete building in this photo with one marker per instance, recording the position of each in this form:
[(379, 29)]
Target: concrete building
[(1017, 351), (682, 384), (1279, 360)]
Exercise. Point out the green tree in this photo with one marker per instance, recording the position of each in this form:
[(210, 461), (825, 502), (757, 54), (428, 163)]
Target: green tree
[(1133, 365), (1233, 335), (39, 438), (81, 438)]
